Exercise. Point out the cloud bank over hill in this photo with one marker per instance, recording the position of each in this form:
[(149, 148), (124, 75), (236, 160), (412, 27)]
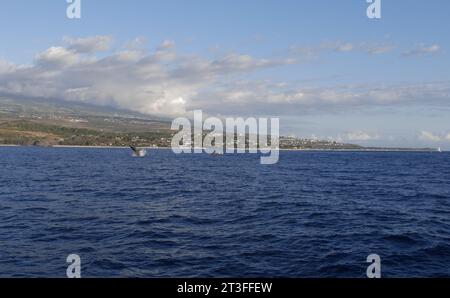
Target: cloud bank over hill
[(165, 82)]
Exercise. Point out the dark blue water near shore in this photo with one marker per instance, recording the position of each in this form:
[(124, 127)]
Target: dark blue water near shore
[(315, 214)]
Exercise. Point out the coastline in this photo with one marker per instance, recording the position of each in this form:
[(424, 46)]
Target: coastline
[(431, 150)]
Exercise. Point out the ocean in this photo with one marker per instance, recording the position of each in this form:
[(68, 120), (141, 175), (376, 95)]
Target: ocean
[(314, 214)]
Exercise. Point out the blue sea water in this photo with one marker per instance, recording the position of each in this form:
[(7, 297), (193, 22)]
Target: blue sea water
[(315, 214)]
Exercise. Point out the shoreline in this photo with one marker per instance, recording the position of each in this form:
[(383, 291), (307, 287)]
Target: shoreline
[(282, 149)]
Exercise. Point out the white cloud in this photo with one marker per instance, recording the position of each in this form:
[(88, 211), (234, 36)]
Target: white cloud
[(89, 44), (344, 47), (360, 136), (159, 82), (57, 56), (6, 67), (164, 82), (429, 136), (265, 97), (423, 50), (369, 48), (377, 49), (167, 44)]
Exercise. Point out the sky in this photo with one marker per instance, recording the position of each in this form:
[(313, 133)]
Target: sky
[(323, 67)]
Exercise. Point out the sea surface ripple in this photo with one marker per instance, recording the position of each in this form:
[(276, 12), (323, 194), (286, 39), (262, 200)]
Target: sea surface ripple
[(315, 214)]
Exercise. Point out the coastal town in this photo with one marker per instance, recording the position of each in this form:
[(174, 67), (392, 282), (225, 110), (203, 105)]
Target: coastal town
[(49, 124), (32, 133)]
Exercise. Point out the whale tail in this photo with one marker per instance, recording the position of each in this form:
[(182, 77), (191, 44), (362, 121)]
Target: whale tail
[(138, 152)]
